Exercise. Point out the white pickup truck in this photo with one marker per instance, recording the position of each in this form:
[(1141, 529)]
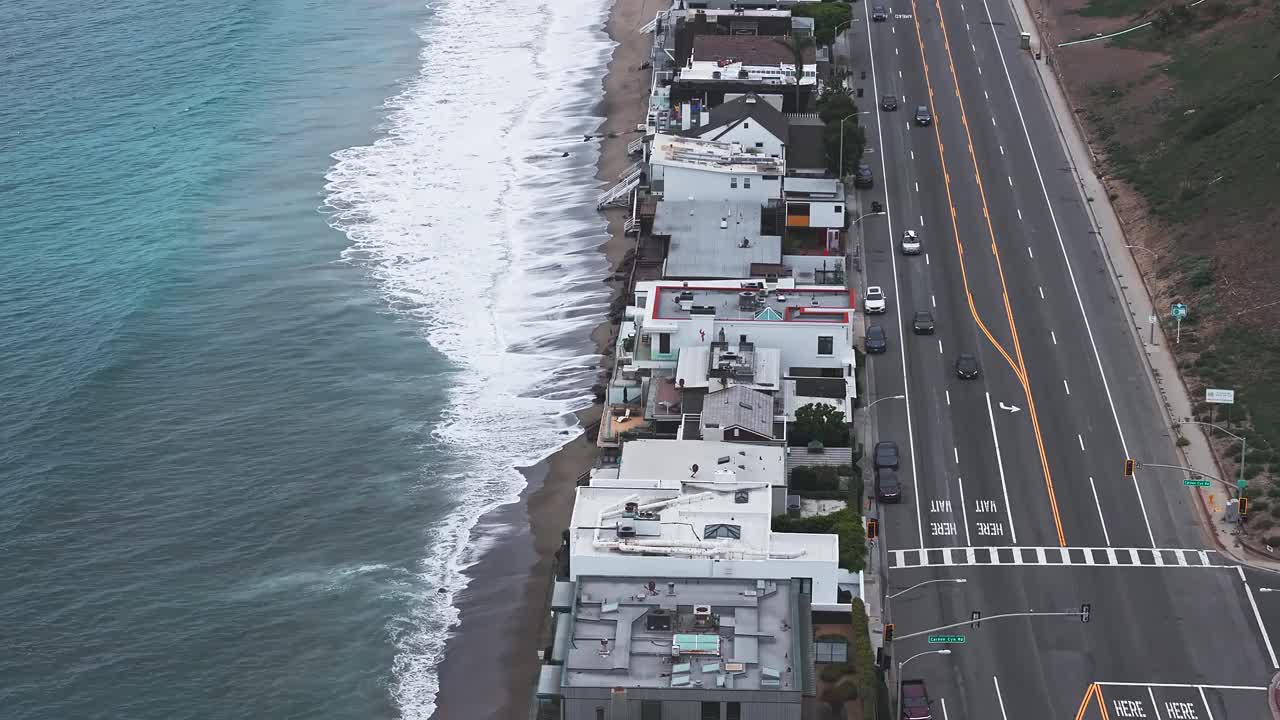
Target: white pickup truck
[(873, 301)]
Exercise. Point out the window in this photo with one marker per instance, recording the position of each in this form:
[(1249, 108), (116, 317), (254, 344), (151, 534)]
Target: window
[(746, 183), (664, 343), (839, 209), (806, 585), (733, 182), (650, 710), (721, 530), (733, 710), (746, 125), (710, 710), (759, 144), (599, 712), (826, 345), (831, 649)]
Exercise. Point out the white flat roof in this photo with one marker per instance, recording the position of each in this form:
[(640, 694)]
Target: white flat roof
[(668, 463), (698, 154)]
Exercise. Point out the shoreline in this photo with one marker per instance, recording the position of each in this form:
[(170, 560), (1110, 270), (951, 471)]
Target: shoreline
[(491, 659)]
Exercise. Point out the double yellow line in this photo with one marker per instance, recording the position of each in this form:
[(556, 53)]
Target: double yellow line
[(1094, 691), (1019, 366)]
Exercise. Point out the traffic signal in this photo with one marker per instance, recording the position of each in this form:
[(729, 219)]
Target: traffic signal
[(888, 632), (975, 619), (1128, 467), (873, 528), (1085, 610), (1244, 506), (882, 658)]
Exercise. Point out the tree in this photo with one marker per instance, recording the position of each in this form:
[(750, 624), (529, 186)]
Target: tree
[(821, 422), (799, 45), (827, 16), (834, 105)]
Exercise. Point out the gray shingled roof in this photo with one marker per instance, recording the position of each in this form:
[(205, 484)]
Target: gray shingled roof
[(739, 406), (726, 116), (805, 145)]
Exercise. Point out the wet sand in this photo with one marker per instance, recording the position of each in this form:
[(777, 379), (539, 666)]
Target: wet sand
[(491, 662)]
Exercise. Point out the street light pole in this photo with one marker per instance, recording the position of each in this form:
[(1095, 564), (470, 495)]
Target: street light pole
[(1243, 442), (926, 582), (842, 121), (1154, 257), (864, 215), (898, 693), (867, 424)]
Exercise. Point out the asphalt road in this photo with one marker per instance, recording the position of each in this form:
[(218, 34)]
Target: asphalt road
[(1013, 273)]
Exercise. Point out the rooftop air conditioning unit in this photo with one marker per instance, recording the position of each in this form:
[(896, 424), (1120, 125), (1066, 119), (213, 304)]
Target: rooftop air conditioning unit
[(626, 530)]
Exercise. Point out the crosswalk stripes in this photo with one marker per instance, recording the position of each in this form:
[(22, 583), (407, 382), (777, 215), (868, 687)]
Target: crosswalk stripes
[(1099, 556)]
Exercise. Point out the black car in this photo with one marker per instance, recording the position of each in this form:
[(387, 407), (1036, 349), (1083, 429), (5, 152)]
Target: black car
[(889, 102), (923, 116), (879, 13), (888, 489), (967, 366), (886, 455), (863, 177), (877, 341), (922, 322)]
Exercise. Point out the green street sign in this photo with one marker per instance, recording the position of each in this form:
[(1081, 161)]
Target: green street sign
[(1195, 483), (1242, 484), (946, 639)]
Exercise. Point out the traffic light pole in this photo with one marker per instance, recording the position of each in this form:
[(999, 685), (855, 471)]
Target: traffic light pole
[(1082, 613)]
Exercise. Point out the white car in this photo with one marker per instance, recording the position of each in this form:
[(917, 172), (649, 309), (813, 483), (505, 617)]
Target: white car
[(910, 243), (873, 301)]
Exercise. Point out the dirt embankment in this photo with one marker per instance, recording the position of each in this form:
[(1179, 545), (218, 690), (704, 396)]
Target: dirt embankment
[(1181, 117)]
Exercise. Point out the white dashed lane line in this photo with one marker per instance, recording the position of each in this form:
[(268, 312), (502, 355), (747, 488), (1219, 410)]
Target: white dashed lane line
[(933, 300), (1041, 288), (1066, 386), (1019, 213), (939, 347), (1030, 254), (1081, 439), (948, 392), (1010, 179), (1054, 335), (918, 190)]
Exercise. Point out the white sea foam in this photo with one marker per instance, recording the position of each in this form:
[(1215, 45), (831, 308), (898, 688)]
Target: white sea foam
[(474, 225)]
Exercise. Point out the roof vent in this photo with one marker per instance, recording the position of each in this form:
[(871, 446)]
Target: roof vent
[(724, 223), (702, 611), (724, 460), (627, 530), (750, 100), (741, 497)]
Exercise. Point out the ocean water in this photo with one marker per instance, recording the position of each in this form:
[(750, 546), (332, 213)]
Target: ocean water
[(288, 291)]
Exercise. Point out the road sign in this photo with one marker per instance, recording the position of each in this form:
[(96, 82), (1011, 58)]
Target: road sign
[(1190, 482), (946, 639), (1086, 609), (1224, 397), (1179, 311)]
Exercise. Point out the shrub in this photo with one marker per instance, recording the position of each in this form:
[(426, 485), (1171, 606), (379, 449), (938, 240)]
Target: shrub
[(1182, 441), (820, 478), (864, 659), (803, 477), (1262, 505)]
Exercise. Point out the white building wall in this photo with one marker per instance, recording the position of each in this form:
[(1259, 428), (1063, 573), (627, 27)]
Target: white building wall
[(823, 573), (824, 214), (798, 341), (751, 135), (682, 183)]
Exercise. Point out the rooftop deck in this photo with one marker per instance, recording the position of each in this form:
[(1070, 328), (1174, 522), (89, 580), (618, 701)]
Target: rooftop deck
[(802, 305), (725, 634)]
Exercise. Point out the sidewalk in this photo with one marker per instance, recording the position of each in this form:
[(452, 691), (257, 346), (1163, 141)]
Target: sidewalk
[(1161, 365)]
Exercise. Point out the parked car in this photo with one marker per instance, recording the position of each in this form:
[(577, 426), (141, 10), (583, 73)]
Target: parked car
[(886, 455), (876, 341), (888, 489), (910, 242), (889, 103), (879, 13), (923, 116), (922, 322), (863, 177), (915, 701), (967, 366), (873, 301)]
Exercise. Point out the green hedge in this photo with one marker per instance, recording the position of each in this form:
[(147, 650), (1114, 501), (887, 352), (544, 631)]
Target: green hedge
[(811, 477), (845, 523), (863, 659)]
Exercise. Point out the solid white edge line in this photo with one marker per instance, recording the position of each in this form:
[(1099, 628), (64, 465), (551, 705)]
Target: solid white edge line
[(1105, 535), (893, 260), (1070, 272), (1152, 694), (1266, 639), (1008, 509), (1000, 698), (947, 717), (1203, 699), (965, 512)]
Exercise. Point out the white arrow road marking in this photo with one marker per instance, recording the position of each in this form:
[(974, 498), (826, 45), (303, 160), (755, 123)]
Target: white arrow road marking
[(1010, 408)]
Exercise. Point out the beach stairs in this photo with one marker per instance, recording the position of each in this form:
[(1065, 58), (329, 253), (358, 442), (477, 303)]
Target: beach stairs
[(628, 181), (636, 146), (653, 24), (630, 226)]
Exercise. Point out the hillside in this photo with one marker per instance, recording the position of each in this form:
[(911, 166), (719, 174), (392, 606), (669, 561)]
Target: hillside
[(1181, 115)]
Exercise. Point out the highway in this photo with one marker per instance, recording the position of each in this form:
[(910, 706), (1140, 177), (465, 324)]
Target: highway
[(1028, 457)]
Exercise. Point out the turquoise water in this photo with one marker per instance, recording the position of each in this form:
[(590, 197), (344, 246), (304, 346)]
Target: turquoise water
[(214, 433), (289, 290)]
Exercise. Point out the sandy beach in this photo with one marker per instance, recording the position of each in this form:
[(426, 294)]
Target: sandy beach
[(491, 661)]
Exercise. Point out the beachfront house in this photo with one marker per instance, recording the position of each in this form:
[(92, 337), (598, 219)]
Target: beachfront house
[(697, 170), (756, 122), (704, 522), (734, 64), (658, 647)]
